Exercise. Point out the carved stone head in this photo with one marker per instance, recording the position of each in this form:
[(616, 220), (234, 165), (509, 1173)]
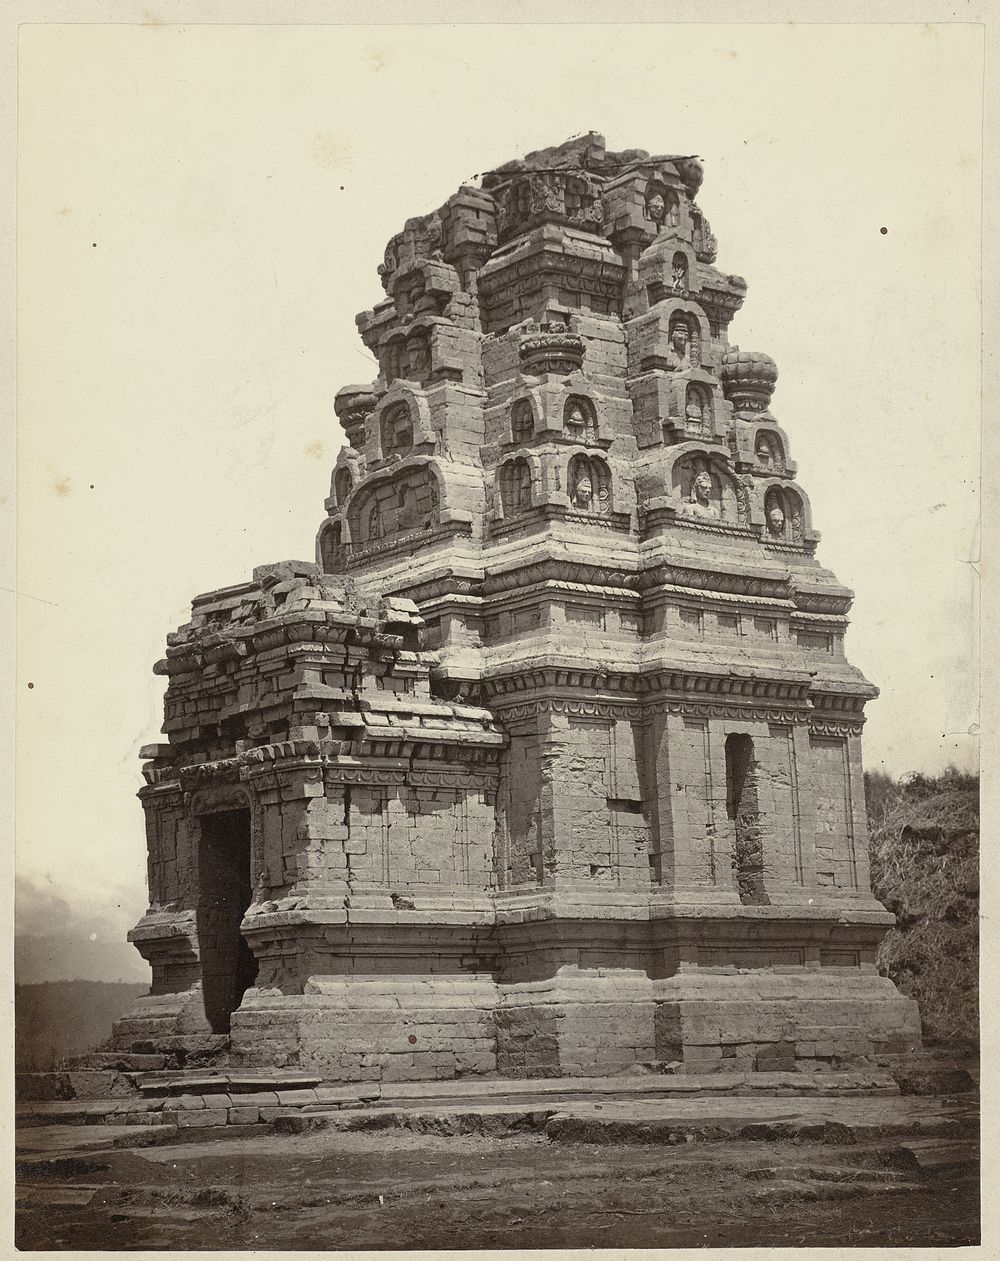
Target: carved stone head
[(776, 519), (656, 209), (701, 487), (583, 491)]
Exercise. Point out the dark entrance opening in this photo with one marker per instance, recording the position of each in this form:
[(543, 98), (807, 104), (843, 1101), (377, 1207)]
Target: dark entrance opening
[(228, 966), (742, 807)]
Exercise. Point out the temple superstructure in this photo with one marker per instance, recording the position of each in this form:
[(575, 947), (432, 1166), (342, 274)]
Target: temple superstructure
[(551, 763)]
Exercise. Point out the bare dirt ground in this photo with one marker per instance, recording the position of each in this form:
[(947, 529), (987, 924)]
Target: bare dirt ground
[(393, 1190)]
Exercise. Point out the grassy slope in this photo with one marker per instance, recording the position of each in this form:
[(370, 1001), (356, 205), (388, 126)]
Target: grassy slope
[(925, 868)]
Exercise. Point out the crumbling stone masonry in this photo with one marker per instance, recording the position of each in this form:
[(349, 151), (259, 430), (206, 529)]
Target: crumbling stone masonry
[(552, 762)]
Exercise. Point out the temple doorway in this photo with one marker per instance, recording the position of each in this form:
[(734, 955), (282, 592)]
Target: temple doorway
[(228, 965)]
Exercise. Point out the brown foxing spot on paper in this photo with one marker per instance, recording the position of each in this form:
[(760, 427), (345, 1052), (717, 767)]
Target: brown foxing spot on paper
[(331, 149), (62, 487), (377, 58), (316, 449)]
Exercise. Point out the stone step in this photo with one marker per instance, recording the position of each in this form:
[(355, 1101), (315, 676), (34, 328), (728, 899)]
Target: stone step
[(689, 1085), (760, 1120), (930, 1154), (667, 1121), (192, 1082), (61, 1141), (121, 1061), (74, 1084), (935, 1080), (37, 1112)]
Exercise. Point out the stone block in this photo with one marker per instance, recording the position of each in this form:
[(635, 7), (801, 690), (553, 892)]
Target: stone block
[(201, 1118)]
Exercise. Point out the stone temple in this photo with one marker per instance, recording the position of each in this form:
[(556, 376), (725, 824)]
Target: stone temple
[(551, 762)]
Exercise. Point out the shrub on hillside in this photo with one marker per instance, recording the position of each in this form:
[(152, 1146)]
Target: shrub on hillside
[(925, 869)]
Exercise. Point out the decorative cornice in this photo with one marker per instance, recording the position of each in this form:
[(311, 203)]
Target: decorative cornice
[(359, 556), (820, 727), (639, 710)]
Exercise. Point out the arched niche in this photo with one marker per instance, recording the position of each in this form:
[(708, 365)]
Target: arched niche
[(396, 429), (332, 550), (408, 500), (589, 484), (514, 480), (343, 484), (662, 206), (704, 488), (784, 515), (522, 421), (394, 358), (680, 280), (698, 408), (684, 340), (769, 451), (580, 419), (418, 354)]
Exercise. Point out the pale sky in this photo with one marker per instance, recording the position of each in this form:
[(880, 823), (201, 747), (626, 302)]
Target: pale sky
[(201, 212)]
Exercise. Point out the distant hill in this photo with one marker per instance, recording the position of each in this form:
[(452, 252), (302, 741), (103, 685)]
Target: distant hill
[(54, 1019), (925, 869)]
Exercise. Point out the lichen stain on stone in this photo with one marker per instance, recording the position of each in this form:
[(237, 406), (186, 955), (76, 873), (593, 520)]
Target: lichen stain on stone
[(63, 487), (333, 149)]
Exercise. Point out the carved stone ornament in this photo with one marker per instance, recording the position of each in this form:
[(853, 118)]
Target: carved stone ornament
[(551, 349)]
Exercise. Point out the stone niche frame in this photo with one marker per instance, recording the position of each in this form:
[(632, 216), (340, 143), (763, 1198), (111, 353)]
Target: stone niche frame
[(674, 425), (630, 212), (529, 396), (747, 437), (537, 484), (786, 493), (658, 272), (652, 347), (333, 540), (366, 495), (674, 471), (420, 418)]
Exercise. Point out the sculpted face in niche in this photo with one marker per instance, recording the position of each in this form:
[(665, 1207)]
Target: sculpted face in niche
[(656, 209), (680, 344), (583, 491), (765, 456), (776, 519), (699, 501)]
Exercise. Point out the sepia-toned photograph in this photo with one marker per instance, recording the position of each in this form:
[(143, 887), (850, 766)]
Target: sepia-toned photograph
[(497, 672)]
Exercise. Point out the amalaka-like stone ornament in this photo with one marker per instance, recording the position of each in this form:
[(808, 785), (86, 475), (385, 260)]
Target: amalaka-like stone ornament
[(550, 762)]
